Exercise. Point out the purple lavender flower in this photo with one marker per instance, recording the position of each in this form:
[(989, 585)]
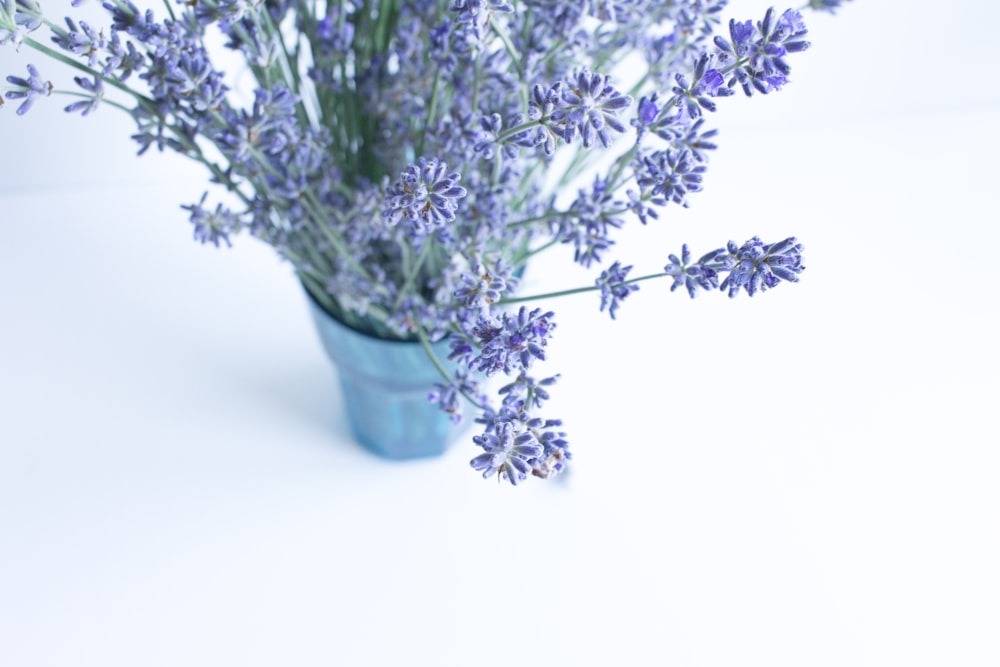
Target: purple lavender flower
[(742, 34), (526, 391), (197, 82), (448, 397), (763, 265), (122, 60), (614, 290), (703, 274), (28, 89), (753, 266), (507, 343), (695, 140), (588, 223), (587, 104), (679, 129), (482, 287), (426, 196), (757, 53), (94, 88), (555, 447), (152, 128), (334, 36), (541, 107), (81, 40), (267, 128), (779, 37), (646, 113), (507, 452), (670, 174), (224, 12), (547, 451), (711, 83), (489, 139), (826, 5), (476, 14), (17, 19), (707, 82), (212, 226), (129, 19), (644, 208)]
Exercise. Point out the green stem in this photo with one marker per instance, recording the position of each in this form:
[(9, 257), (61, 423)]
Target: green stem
[(414, 271), (577, 290), (169, 8), (508, 46), (66, 60), (555, 215), (426, 343), (531, 253), (431, 112), (517, 129), (102, 100)]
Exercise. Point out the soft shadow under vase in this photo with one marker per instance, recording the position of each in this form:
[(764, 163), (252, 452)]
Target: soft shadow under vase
[(385, 385)]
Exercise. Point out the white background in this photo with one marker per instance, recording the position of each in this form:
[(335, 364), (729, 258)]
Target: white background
[(807, 478)]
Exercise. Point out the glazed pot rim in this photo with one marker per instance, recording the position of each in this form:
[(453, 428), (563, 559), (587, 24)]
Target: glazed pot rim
[(361, 332)]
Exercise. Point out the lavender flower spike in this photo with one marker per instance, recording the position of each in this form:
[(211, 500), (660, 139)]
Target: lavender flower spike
[(17, 18), (613, 287), (28, 89), (507, 452), (425, 195), (94, 88), (762, 266), (587, 104), (510, 343), (702, 274), (826, 5), (753, 266), (212, 226)]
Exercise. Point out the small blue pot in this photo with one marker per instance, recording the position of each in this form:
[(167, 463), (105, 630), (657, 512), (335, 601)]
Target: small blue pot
[(385, 385)]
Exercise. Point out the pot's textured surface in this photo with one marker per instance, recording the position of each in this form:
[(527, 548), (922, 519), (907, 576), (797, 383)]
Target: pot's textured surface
[(385, 385)]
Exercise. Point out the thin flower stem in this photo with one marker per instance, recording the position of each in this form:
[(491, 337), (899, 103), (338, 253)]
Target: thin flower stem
[(497, 167), (426, 343), (166, 5), (555, 215), (637, 88), (431, 111), (517, 129), (583, 160), (508, 46), (290, 72), (66, 60), (314, 209), (102, 100), (199, 156), (411, 276), (620, 164), (475, 81), (577, 290), (196, 152), (531, 253)]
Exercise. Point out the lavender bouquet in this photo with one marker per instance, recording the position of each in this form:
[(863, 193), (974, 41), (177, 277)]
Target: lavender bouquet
[(409, 157)]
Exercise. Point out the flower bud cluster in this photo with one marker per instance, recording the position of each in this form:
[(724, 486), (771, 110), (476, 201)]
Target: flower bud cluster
[(754, 266)]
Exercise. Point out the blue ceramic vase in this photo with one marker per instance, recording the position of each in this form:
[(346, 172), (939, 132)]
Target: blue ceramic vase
[(385, 385)]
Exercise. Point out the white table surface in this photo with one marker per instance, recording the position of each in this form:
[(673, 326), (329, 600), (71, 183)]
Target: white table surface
[(805, 478)]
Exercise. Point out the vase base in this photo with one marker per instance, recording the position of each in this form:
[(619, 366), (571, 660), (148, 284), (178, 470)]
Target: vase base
[(385, 386)]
